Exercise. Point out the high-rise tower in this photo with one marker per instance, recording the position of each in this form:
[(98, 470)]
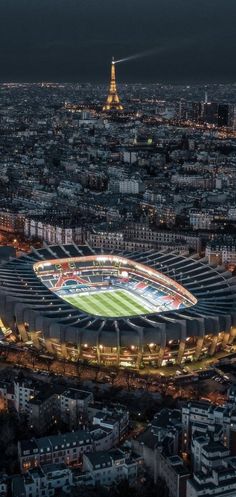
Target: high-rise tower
[(113, 101)]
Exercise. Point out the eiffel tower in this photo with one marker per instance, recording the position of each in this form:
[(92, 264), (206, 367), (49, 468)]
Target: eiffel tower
[(113, 101)]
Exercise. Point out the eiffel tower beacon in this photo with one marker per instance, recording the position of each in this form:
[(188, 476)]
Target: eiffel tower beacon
[(113, 101)]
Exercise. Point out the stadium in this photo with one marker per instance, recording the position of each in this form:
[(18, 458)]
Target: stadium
[(126, 309)]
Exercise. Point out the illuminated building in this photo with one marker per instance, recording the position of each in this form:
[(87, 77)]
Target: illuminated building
[(189, 306), (113, 101), (221, 251)]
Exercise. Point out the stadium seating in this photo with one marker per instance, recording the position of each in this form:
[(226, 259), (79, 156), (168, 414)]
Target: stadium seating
[(81, 278)]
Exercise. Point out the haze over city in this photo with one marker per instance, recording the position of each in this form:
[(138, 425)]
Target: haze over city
[(73, 40)]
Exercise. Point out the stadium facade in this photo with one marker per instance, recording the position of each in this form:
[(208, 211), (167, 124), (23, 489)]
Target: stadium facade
[(126, 309)]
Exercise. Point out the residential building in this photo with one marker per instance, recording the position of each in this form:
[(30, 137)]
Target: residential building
[(107, 468), (176, 475), (43, 481), (74, 406)]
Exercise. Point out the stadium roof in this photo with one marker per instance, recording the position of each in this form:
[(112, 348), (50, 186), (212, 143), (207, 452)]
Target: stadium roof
[(24, 298)]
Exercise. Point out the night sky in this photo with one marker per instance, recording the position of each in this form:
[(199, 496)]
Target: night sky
[(73, 40)]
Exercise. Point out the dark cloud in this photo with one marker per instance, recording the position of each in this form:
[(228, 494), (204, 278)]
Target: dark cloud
[(73, 40)]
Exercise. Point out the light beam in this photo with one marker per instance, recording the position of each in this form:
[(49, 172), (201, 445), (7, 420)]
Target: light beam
[(139, 55)]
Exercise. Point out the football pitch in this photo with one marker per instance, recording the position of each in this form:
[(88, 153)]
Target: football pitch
[(115, 303)]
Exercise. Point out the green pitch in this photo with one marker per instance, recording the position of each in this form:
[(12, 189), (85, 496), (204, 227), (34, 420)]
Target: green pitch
[(115, 303)]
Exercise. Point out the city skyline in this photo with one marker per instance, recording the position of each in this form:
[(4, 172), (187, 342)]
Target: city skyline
[(74, 41), (117, 248)]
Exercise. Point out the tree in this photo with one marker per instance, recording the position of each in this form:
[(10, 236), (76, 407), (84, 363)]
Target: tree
[(128, 378), (64, 363), (97, 370), (21, 357), (4, 352), (34, 357), (79, 369), (113, 376), (124, 489), (48, 361)]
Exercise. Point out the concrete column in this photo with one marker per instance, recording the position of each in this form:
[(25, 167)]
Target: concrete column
[(161, 355), (182, 345), (49, 346), (35, 340), (212, 347), (139, 358), (78, 346), (64, 352), (225, 339), (98, 353), (118, 346), (140, 349), (232, 334), (162, 348), (198, 349), (23, 332), (78, 350)]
